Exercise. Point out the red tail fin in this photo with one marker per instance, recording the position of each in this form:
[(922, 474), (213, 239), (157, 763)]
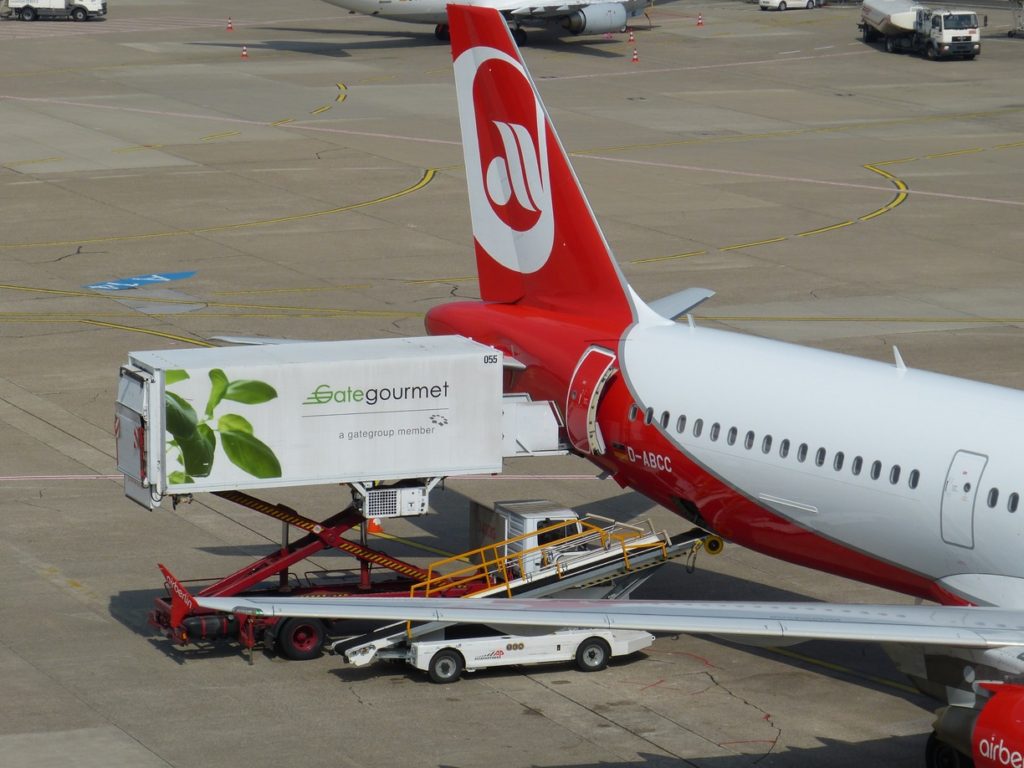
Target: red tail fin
[(537, 241)]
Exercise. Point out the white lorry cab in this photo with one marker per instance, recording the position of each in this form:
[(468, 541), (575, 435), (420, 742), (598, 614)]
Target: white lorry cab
[(30, 10)]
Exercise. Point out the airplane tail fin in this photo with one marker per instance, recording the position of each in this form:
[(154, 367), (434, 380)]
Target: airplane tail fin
[(537, 241)]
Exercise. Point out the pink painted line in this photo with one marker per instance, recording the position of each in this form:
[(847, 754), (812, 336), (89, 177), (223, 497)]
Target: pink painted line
[(228, 120), (800, 179), (16, 478), (523, 477), (698, 67)]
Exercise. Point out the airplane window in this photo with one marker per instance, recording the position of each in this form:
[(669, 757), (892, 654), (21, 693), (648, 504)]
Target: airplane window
[(681, 424), (633, 412), (784, 448), (748, 440), (648, 415), (856, 465), (698, 427), (715, 429), (837, 461), (915, 478), (819, 457), (894, 474), (766, 444), (876, 470), (1012, 501), (664, 419), (731, 437), (993, 498), (801, 452)]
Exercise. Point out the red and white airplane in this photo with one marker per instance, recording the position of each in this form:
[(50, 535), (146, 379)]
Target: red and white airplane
[(900, 478)]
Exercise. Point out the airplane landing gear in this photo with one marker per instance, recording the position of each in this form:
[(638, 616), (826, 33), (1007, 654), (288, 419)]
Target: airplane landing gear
[(441, 33), (939, 754)]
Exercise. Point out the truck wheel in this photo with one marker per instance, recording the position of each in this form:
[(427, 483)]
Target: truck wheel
[(78, 13), (810, 4), (446, 666), (890, 45), (867, 34), (592, 655), (301, 639), (930, 53), (782, 5), (28, 13)]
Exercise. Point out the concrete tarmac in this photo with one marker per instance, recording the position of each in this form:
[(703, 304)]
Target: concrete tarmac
[(832, 194)]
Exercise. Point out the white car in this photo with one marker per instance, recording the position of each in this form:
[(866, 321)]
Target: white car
[(781, 5)]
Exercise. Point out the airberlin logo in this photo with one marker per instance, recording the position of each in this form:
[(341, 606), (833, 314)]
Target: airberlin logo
[(1001, 754), (505, 144)]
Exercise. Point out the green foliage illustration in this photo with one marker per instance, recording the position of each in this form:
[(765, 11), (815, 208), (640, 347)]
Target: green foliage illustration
[(195, 439)]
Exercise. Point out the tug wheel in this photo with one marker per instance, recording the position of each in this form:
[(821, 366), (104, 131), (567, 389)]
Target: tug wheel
[(446, 666), (301, 639), (592, 655)]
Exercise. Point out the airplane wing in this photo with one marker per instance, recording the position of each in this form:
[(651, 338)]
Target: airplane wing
[(780, 622)]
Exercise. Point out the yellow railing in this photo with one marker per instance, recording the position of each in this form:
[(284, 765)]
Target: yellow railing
[(497, 567)]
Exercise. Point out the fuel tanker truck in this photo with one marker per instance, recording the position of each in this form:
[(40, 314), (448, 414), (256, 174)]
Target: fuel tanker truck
[(907, 26)]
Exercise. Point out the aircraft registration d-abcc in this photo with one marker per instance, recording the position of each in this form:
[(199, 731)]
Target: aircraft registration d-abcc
[(849, 466)]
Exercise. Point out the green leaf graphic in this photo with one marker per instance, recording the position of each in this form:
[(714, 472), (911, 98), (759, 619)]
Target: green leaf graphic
[(232, 422), (180, 416), (219, 382), (173, 377), (250, 454), (197, 450), (179, 478), (250, 391)]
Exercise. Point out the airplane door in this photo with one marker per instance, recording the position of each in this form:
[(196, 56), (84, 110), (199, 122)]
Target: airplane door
[(593, 371), (962, 483)]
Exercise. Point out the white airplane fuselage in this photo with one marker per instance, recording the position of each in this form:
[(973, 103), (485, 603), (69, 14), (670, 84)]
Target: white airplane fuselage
[(919, 471), (435, 11)]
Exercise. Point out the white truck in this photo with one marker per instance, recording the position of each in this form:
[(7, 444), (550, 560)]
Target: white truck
[(906, 26), (30, 10), (445, 660)]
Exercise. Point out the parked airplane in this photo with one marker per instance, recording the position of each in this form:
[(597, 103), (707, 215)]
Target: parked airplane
[(900, 478), (576, 17)]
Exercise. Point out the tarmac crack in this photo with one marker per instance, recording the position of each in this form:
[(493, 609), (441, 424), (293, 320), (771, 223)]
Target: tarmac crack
[(766, 716)]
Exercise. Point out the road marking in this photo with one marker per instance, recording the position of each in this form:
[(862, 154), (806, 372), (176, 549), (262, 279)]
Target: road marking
[(822, 230), (342, 95), (653, 259), (321, 110), (148, 332), (954, 153), (37, 161), (751, 245), (787, 53), (139, 148), (221, 135), (283, 122), (425, 179)]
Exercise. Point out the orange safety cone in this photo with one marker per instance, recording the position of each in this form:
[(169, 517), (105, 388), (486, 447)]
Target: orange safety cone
[(636, 56), (245, 52), (231, 26), (373, 526), (700, 20), (632, 37)]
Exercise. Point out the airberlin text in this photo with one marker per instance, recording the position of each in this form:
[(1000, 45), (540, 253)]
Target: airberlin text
[(998, 752), (650, 459)]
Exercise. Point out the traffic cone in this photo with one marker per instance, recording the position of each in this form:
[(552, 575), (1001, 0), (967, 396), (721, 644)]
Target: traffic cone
[(373, 526), (245, 52), (700, 20), (636, 56), (231, 27), (632, 37)]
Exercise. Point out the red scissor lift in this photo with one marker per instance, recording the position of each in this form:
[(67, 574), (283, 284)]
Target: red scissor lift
[(179, 618)]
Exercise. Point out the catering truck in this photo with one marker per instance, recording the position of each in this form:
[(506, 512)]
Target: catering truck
[(905, 26), (249, 417), (30, 10)]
